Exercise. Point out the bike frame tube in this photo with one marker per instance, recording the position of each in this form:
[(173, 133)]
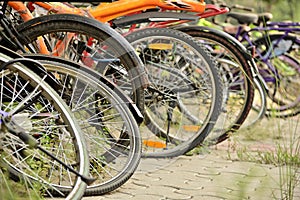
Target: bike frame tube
[(282, 27), (105, 12), (283, 24), (108, 11)]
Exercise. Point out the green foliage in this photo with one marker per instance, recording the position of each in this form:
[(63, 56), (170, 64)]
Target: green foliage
[(281, 9), (11, 190)]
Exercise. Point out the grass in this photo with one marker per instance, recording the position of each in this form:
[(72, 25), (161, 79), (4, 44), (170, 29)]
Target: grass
[(283, 152), (274, 142), (11, 190)]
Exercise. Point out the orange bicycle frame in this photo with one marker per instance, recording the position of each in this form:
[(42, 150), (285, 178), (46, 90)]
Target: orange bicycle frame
[(108, 11), (26, 15)]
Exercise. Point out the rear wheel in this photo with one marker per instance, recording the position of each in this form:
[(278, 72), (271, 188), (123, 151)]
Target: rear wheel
[(284, 80), (91, 43), (237, 81), (184, 98)]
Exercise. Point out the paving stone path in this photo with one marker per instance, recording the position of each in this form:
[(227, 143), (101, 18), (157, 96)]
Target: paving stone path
[(206, 177), (210, 176)]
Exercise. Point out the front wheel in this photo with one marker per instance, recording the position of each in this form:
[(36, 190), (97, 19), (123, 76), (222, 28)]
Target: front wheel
[(110, 130), (38, 111)]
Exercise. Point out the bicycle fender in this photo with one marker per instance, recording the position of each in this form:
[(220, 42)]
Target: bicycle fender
[(33, 65), (236, 43), (217, 32), (230, 38)]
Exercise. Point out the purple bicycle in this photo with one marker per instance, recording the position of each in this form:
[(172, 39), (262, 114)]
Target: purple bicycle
[(275, 48)]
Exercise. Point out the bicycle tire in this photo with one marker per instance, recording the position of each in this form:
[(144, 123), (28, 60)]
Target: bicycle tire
[(259, 106), (117, 49), (289, 108), (196, 133), (28, 106), (119, 160), (233, 118), (283, 91)]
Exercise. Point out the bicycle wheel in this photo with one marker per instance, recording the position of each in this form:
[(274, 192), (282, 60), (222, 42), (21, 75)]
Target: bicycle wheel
[(110, 130), (31, 109), (91, 43), (237, 77), (184, 98), (281, 70), (284, 97), (259, 106)]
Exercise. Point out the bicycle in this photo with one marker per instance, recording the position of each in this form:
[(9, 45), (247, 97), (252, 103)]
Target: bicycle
[(99, 47), (275, 50)]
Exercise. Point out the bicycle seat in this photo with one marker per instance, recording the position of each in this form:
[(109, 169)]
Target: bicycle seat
[(263, 18), (243, 18)]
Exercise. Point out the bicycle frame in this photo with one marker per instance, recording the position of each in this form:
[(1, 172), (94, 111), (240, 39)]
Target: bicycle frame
[(109, 11), (105, 12), (286, 28)]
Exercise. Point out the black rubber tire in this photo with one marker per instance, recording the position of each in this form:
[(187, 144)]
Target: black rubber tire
[(30, 30), (259, 106), (216, 101), (245, 68), (131, 150)]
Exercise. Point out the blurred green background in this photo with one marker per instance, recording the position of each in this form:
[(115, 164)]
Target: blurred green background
[(281, 9)]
